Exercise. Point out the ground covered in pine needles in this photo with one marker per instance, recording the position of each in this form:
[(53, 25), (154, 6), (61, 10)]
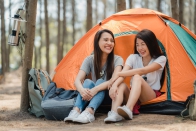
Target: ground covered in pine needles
[(11, 119)]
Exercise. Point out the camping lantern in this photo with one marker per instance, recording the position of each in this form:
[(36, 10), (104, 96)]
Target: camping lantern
[(13, 37)]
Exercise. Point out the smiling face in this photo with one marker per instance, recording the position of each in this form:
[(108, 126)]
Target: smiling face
[(106, 43), (150, 44), (104, 52), (142, 48)]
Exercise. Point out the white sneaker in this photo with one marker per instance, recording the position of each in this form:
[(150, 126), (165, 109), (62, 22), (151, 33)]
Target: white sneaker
[(73, 114), (113, 117), (84, 117), (125, 112)]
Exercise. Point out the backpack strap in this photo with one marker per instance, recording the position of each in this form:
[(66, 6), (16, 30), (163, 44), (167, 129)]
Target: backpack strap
[(46, 76), (39, 82), (189, 98), (185, 112)]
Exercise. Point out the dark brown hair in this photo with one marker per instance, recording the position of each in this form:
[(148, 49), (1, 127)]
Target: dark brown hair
[(98, 56), (151, 41)]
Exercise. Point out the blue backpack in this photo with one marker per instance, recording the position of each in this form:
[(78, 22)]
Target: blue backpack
[(58, 102)]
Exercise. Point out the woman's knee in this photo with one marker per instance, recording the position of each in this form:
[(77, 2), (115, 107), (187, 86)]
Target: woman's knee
[(122, 87), (88, 83), (137, 78), (99, 81), (101, 93)]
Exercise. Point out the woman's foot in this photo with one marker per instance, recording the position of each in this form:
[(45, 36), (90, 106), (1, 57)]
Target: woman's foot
[(125, 112), (113, 117), (73, 114), (85, 117)]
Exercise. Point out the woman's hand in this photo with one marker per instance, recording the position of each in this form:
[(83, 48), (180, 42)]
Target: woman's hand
[(93, 92), (85, 93), (113, 92)]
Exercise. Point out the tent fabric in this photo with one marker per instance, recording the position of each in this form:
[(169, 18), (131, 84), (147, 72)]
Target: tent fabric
[(175, 40), (185, 38)]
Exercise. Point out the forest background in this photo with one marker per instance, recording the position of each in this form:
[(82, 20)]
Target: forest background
[(59, 24), (68, 20), (53, 27)]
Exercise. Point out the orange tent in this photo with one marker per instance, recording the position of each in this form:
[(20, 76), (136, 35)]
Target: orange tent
[(175, 40)]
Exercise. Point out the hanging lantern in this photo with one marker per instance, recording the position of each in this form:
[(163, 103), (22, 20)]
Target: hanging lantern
[(13, 38)]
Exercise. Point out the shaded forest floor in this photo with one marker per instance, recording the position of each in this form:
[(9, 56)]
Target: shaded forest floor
[(12, 120)]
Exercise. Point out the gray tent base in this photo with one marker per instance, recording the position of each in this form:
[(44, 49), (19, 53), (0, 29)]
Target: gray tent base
[(166, 108)]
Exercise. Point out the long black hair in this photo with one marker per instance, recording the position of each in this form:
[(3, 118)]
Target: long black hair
[(98, 56), (151, 41)]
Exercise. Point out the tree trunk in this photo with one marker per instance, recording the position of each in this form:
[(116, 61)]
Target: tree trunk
[(8, 46), (31, 8), (104, 8), (195, 17), (181, 11), (130, 4), (159, 5), (3, 38), (40, 34), (73, 21), (121, 5), (35, 56), (64, 38), (89, 15), (190, 15), (59, 33), (146, 4), (96, 12), (47, 37), (115, 6), (174, 6)]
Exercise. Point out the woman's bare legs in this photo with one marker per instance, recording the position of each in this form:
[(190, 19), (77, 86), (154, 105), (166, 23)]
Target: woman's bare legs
[(139, 90), (122, 96)]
